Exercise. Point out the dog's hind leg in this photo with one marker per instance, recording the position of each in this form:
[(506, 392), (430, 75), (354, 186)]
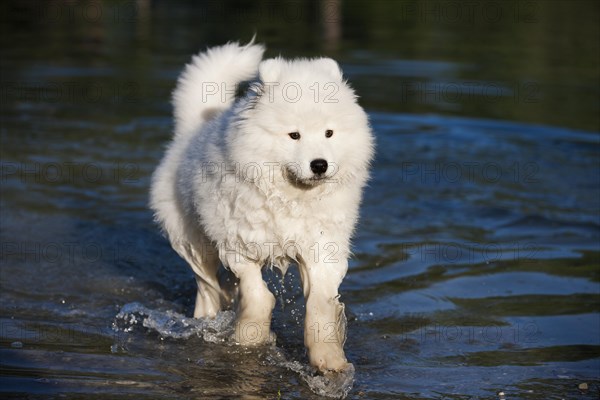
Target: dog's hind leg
[(204, 261), (208, 297)]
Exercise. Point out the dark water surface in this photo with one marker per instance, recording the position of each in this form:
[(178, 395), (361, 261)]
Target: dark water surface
[(477, 260)]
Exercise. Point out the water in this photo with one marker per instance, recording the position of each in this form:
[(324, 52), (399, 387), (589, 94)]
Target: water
[(476, 267)]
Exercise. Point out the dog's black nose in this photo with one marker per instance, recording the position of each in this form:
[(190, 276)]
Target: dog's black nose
[(318, 166)]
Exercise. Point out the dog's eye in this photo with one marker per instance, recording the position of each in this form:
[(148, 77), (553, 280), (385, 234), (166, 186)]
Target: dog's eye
[(294, 135), (328, 133)]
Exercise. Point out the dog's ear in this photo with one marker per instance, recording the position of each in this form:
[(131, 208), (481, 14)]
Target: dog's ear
[(269, 70), (330, 67)]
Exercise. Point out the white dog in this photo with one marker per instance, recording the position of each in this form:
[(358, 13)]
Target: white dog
[(272, 177)]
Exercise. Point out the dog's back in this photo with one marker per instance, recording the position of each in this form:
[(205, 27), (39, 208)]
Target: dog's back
[(204, 89)]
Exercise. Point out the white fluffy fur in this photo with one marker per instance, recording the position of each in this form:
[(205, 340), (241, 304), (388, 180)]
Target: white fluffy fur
[(235, 188)]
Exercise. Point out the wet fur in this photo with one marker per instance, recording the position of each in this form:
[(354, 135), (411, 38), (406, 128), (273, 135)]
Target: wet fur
[(223, 192)]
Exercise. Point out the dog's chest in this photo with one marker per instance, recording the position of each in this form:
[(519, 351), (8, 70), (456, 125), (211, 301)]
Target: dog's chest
[(276, 227)]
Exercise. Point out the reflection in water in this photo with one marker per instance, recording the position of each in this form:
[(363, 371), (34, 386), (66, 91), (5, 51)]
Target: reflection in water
[(476, 261)]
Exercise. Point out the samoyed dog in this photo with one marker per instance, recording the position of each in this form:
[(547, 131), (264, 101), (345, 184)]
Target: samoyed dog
[(267, 177)]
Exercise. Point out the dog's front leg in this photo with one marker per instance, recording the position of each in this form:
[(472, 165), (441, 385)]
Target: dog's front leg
[(325, 322), (255, 305)]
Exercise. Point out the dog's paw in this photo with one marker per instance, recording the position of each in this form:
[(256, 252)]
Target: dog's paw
[(249, 333), (331, 361)]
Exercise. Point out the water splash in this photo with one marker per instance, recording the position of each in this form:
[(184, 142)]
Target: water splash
[(333, 384), (169, 324)]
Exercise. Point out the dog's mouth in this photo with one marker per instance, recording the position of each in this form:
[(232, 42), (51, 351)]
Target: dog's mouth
[(304, 183)]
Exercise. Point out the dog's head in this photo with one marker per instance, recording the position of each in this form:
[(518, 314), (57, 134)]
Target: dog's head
[(302, 120)]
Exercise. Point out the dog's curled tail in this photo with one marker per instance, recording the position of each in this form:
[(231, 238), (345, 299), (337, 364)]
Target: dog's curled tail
[(207, 85)]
